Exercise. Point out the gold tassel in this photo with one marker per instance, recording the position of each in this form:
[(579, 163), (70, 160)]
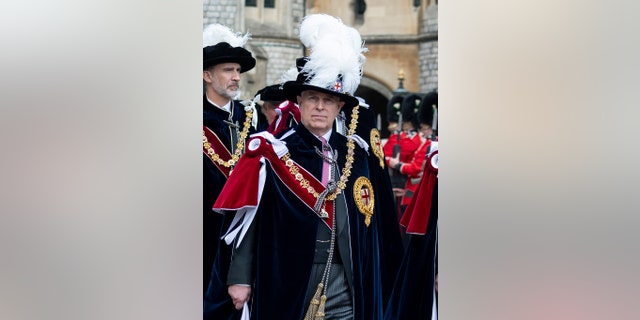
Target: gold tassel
[(320, 312), (315, 302)]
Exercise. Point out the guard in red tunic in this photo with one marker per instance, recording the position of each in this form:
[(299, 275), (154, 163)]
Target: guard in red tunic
[(402, 144), (405, 138), (413, 167)]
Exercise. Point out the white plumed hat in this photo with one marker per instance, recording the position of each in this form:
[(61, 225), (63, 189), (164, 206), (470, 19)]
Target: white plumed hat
[(221, 44), (334, 64)]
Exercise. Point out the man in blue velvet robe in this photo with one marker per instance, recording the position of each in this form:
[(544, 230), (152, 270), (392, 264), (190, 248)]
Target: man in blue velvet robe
[(294, 230), (223, 120), (390, 241)]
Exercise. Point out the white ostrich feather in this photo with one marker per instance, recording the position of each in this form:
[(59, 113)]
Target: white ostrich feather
[(289, 75), (358, 44), (316, 26), (336, 49), (216, 33)]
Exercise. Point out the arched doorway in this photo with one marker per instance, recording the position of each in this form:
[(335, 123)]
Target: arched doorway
[(377, 96)]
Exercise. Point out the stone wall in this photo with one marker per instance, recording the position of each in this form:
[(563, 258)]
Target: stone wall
[(428, 54), (281, 57), (276, 45), (430, 19), (297, 13), (221, 11), (428, 51)]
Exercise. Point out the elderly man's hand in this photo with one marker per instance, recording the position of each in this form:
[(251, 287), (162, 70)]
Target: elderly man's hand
[(239, 294)]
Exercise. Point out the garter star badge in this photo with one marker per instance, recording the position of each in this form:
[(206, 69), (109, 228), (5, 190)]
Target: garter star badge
[(337, 86), (376, 145), (363, 195)]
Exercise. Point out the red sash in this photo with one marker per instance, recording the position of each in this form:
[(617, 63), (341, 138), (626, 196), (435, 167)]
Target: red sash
[(219, 149), (416, 216), (287, 109), (245, 178)]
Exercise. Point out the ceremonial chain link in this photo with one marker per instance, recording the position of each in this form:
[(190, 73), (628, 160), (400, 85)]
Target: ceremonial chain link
[(346, 171), (239, 146)]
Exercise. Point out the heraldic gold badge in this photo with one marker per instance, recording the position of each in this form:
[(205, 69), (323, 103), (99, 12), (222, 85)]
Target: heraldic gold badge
[(376, 145), (363, 195)]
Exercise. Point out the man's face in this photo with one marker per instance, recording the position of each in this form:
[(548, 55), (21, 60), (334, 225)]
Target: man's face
[(408, 126), (269, 110), (425, 130), (224, 79), (318, 110)]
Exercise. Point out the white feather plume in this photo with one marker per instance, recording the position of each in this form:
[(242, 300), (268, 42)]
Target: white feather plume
[(216, 33), (336, 49), (358, 44), (316, 26), (289, 75)]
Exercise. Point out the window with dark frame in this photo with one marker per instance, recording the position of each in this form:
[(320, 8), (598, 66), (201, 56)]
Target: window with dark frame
[(269, 3), (251, 3)]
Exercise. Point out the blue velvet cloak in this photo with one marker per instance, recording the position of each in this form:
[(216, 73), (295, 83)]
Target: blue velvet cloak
[(412, 296), (286, 242), (212, 182), (390, 241)]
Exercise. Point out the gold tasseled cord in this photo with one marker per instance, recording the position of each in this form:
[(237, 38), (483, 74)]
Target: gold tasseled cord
[(320, 312), (315, 302)]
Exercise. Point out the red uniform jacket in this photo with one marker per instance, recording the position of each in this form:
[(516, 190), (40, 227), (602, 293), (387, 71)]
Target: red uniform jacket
[(408, 145), (413, 169)]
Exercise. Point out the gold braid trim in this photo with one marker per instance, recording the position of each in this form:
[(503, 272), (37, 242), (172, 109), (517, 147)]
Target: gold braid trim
[(346, 171), (239, 146)]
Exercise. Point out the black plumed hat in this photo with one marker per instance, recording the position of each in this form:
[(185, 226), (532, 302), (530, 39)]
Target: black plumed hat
[(272, 93), (221, 45), (334, 65), (224, 52), (303, 82)]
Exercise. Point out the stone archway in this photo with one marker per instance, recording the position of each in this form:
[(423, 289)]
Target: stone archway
[(377, 95)]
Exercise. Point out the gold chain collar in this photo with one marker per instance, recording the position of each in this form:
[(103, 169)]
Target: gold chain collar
[(346, 171), (239, 146)]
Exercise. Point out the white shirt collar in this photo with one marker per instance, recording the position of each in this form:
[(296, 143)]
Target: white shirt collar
[(327, 135), (226, 107)]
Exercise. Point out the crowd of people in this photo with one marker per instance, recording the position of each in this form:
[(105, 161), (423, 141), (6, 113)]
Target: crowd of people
[(304, 217)]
